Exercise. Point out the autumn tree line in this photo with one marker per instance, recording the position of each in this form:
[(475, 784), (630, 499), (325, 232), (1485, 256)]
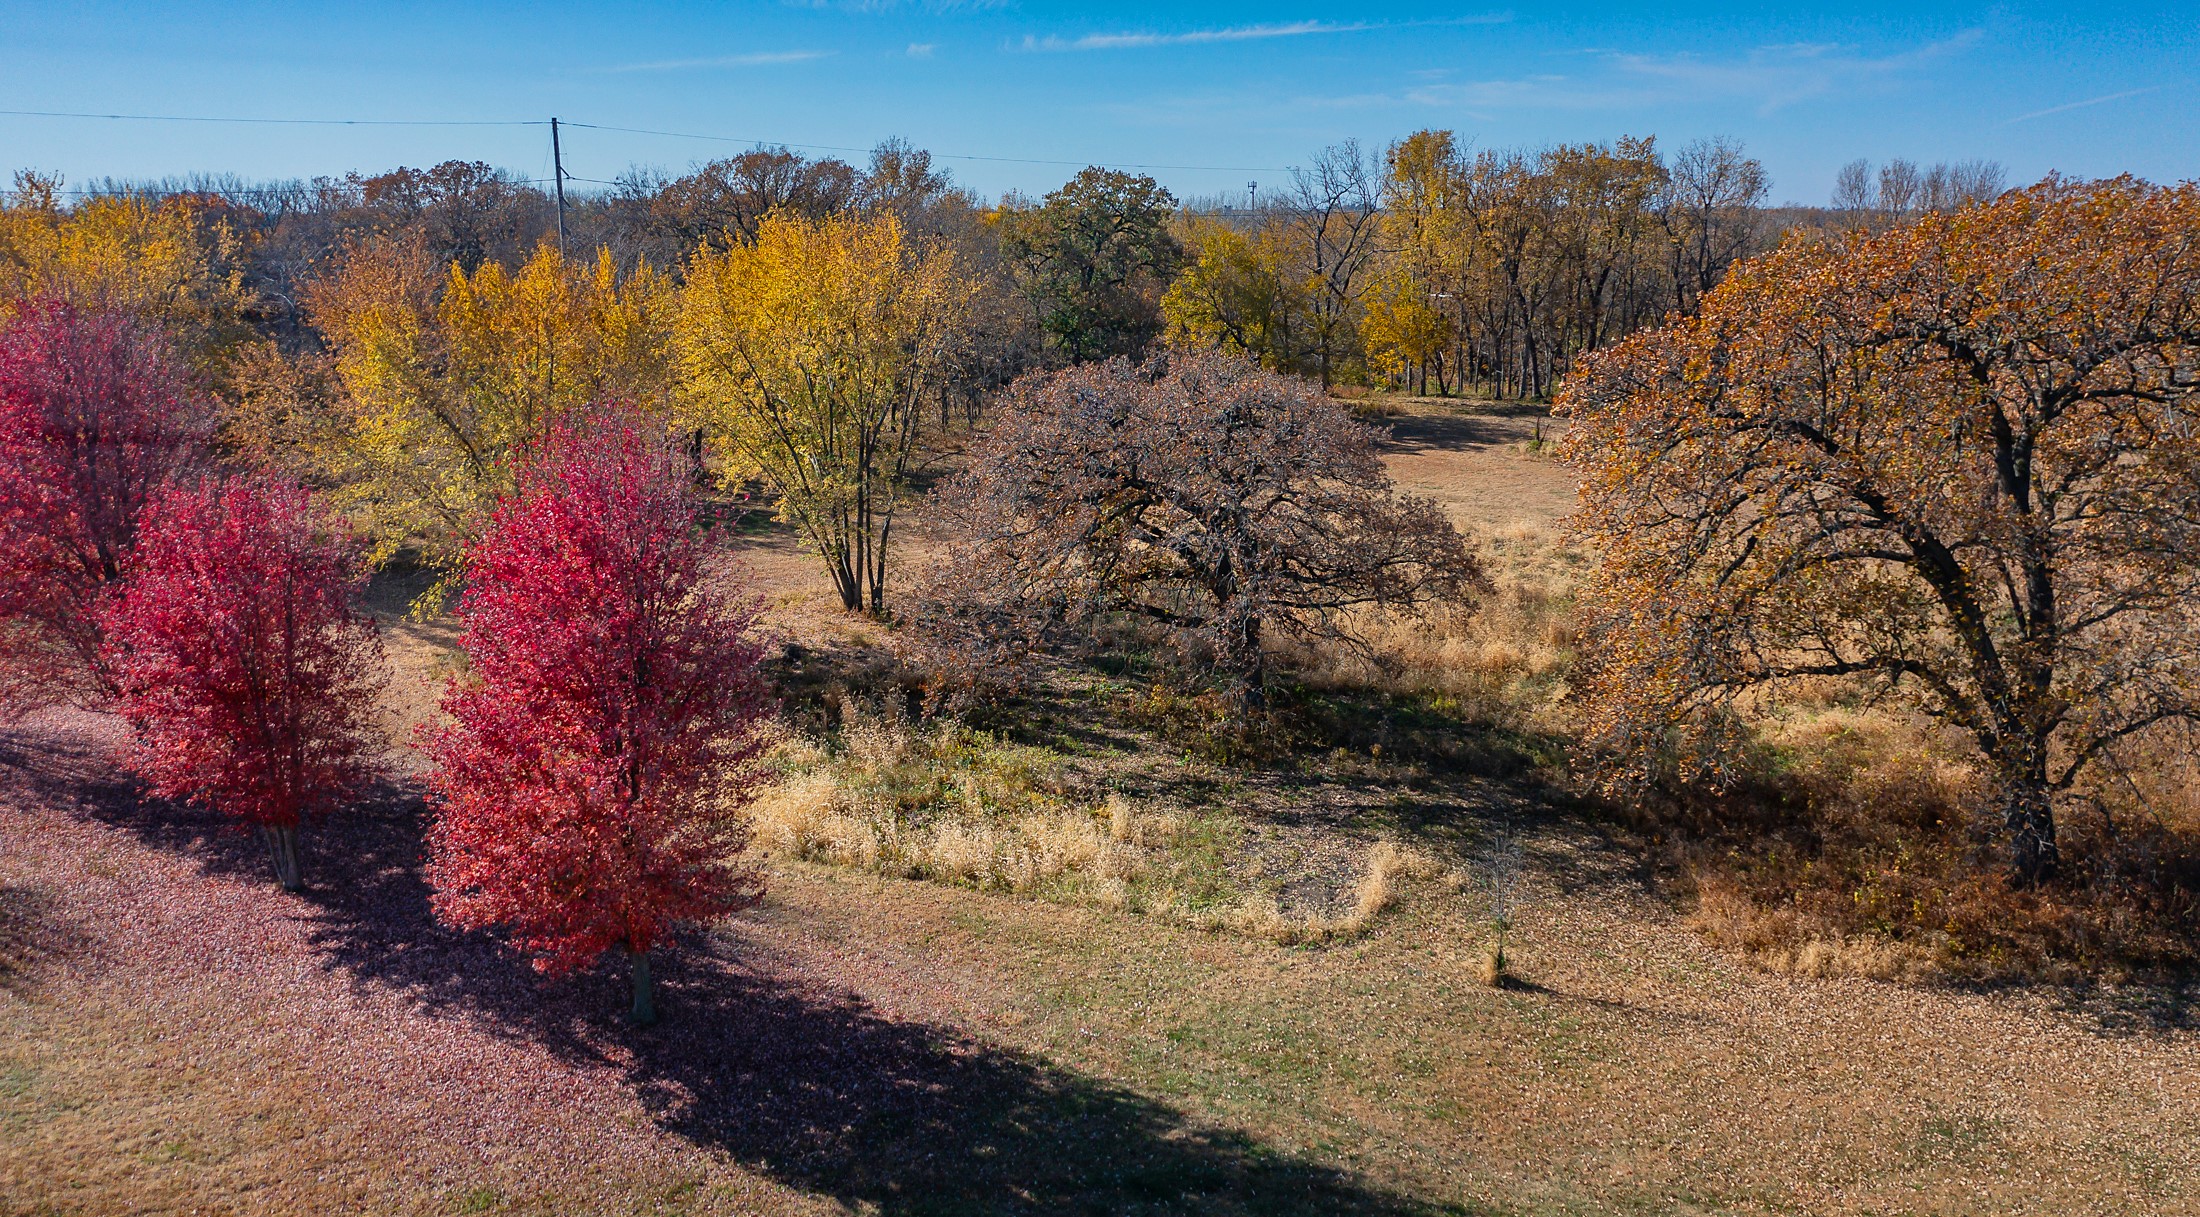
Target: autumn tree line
[(1939, 446), (1427, 265)]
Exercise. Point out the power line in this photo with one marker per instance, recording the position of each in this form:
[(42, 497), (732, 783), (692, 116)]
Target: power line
[(130, 190), (722, 139), (300, 122)]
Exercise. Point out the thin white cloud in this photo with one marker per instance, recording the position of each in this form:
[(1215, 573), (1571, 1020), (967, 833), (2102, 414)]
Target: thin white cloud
[(1235, 33), (922, 50), (1770, 77), (2080, 105), (1779, 76), (753, 59), (1239, 33)]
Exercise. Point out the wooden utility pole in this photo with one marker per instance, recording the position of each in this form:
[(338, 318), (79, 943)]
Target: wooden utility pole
[(557, 168)]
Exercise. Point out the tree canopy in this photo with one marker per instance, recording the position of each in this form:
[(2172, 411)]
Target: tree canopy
[(1217, 500), (1095, 257), (443, 375), (1959, 460), (809, 358)]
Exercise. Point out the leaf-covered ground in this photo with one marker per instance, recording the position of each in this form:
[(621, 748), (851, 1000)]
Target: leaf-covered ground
[(176, 1035)]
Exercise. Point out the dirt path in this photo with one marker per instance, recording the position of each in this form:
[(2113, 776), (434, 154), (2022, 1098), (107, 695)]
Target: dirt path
[(1472, 459)]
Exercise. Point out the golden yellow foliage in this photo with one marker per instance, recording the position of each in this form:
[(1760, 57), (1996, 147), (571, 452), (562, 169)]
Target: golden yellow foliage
[(1239, 293), (1402, 330), (442, 376), (808, 357), (168, 261)]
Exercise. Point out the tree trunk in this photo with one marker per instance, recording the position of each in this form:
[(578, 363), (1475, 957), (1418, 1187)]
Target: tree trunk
[(1248, 663), (644, 1012), (2030, 811), (282, 850)]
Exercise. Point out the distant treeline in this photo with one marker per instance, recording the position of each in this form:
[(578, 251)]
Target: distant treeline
[(1427, 266)]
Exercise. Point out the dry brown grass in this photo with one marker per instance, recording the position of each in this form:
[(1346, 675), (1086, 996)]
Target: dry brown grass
[(949, 804), (1389, 870), (1865, 843), (1503, 661)]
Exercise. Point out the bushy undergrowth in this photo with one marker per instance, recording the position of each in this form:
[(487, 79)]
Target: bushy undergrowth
[(944, 802), (1859, 842), (1864, 843)]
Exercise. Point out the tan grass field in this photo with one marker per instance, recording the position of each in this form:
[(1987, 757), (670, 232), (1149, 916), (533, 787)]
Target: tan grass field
[(1001, 1035)]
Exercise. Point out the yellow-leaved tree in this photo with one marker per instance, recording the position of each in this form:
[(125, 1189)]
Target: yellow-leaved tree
[(1403, 331), (174, 262), (807, 358), (440, 377), (1239, 293)]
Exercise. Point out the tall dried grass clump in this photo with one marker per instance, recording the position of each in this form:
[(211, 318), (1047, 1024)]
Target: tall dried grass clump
[(1866, 846), (946, 803), (939, 802), (1388, 870), (1504, 662)]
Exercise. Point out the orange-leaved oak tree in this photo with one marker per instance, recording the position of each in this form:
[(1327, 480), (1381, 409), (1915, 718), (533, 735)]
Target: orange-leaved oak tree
[(1959, 460), (589, 784), (97, 413), (248, 678)]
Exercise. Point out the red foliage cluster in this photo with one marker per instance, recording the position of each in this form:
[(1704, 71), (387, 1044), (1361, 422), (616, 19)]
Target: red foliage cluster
[(589, 786), (96, 414), (238, 659)]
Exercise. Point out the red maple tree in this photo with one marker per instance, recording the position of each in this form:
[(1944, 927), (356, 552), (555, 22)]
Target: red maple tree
[(589, 785), (97, 413), (236, 656)]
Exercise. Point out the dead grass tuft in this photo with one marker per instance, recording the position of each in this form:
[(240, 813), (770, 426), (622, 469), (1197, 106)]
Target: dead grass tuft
[(949, 804), (1389, 868)]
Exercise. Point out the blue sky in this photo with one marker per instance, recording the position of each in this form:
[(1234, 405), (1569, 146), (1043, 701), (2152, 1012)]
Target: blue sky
[(1220, 93)]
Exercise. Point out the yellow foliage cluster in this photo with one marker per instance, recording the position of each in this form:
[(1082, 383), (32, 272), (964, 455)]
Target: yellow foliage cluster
[(1240, 292), (444, 376), (808, 357), (171, 261)]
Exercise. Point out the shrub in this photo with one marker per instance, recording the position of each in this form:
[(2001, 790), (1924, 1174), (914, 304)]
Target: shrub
[(589, 786), (1218, 501), (238, 660), (97, 413)]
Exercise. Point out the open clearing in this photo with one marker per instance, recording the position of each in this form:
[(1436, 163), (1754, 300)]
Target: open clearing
[(176, 1035)]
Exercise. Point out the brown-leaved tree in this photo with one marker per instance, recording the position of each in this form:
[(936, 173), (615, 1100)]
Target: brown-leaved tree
[(1960, 459), (1219, 500)]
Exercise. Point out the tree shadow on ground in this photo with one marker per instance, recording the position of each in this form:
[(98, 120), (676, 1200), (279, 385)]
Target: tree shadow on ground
[(30, 934), (2166, 1006), (802, 1081), (1456, 432), (822, 1091)]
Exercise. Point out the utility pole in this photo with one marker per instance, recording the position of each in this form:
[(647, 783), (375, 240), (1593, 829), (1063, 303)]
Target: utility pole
[(557, 167)]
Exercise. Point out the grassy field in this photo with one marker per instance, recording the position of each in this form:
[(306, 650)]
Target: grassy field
[(1128, 1032)]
